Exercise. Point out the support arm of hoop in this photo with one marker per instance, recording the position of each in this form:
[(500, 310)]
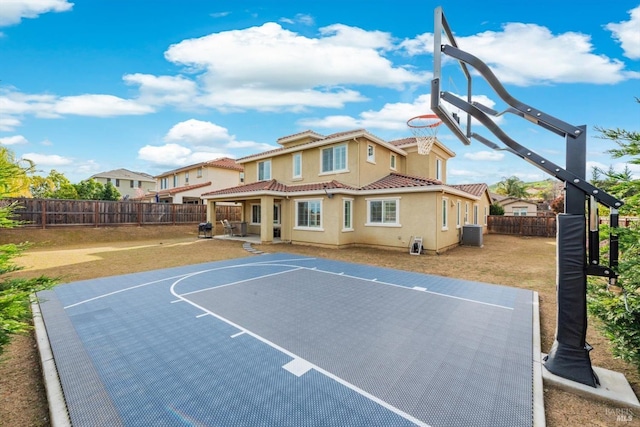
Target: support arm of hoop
[(536, 116), (531, 157)]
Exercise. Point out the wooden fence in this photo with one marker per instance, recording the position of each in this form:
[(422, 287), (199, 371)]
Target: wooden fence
[(542, 226), (96, 213)]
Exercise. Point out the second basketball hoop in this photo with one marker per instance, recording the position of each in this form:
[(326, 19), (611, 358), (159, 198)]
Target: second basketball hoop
[(425, 130)]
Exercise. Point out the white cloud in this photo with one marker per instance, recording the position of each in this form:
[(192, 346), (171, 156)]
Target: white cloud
[(484, 156), (12, 11), (99, 106), (628, 34), (299, 18), (422, 44), (220, 14), (161, 90), (268, 67), (175, 155), (47, 159), (527, 54), (198, 132), (392, 116), (13, 140), (16, 104)]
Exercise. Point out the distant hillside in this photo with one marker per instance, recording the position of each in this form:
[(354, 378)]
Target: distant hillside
[(547, 189)]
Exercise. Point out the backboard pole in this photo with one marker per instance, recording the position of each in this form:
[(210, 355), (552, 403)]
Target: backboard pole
[(569, 355)]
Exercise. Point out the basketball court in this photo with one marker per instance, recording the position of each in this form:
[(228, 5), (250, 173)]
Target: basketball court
[(283, 340)]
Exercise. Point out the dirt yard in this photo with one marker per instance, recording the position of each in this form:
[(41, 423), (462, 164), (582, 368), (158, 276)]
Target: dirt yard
[(81, 253)]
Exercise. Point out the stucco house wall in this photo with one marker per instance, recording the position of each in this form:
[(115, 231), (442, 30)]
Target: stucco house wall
[(419, 202)]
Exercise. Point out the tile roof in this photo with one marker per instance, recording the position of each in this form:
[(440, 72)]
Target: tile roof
[(320, 138), (475, 189), (225, 163), (295, 136), (389, 182), (273, 185), (176, 190), (125, 174), (396, 180), (220, 162)]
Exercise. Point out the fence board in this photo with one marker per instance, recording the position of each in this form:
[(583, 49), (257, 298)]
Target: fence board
[(53, 212), (542, 226)]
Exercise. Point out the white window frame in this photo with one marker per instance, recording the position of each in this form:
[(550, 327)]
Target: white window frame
[(371, 153), (486, 214), (266, 170), (317, 227), (466, 213), (476, 214), (296, 160), (520, 210), (333, 169), (438, 169), (458, 214), (176, 181), (277, 214), (347, 226), (445, 214), (393, 162), (164, 182), (242, 177), (199, 172), (383, 223), (186, 177), (256, 212)]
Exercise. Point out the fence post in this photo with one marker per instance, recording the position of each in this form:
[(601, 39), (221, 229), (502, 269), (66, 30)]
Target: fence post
[(44, 213)]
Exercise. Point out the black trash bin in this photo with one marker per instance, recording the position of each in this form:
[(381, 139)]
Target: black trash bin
[(205, 230)]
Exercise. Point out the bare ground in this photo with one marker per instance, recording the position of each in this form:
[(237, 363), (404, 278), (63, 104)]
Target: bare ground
[(82, 253)]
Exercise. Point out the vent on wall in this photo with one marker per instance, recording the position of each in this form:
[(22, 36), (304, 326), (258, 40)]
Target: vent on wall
[(472, 235)]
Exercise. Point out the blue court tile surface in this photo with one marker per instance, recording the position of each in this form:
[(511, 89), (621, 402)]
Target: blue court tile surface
[(282, 340)]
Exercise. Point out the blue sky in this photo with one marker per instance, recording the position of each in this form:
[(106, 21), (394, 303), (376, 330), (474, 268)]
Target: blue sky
[(149, 86)]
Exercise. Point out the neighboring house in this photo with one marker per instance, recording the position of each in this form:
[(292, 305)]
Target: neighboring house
[(186, 184), (353, 188), (514, 206), (129, 184)]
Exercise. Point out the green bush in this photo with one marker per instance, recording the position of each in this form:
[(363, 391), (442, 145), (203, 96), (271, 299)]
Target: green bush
[(619, 307), (15, 293)]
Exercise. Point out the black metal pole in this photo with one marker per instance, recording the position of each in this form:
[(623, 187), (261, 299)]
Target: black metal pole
[(569, 356)]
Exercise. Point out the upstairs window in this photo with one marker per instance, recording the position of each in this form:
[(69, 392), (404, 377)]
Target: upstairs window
[(392, 163), (264, 170), (439, 169), (371, 153), (297, 165), (334, 159)]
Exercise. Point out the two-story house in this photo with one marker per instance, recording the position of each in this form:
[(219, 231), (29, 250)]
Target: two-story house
[(186, 184), (353, 188), (130, 184)]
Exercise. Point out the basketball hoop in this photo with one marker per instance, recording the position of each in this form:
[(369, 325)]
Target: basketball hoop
[(425, 129)]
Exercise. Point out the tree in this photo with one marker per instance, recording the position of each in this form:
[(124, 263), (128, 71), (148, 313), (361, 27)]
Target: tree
[(496, 209), (15, 293), (512, 186), (110, 192), (53, 186), (620, 311)]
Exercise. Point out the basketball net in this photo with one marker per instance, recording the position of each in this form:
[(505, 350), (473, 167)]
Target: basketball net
[(425, 130)]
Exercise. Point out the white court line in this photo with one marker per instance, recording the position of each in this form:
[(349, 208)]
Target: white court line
[(411, 289), (179, 276), (294, 356), (234, 335), (242, 281), (342, 274), (201, 315)]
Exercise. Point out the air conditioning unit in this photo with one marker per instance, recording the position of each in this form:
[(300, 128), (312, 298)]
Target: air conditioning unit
[(472, 235)]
